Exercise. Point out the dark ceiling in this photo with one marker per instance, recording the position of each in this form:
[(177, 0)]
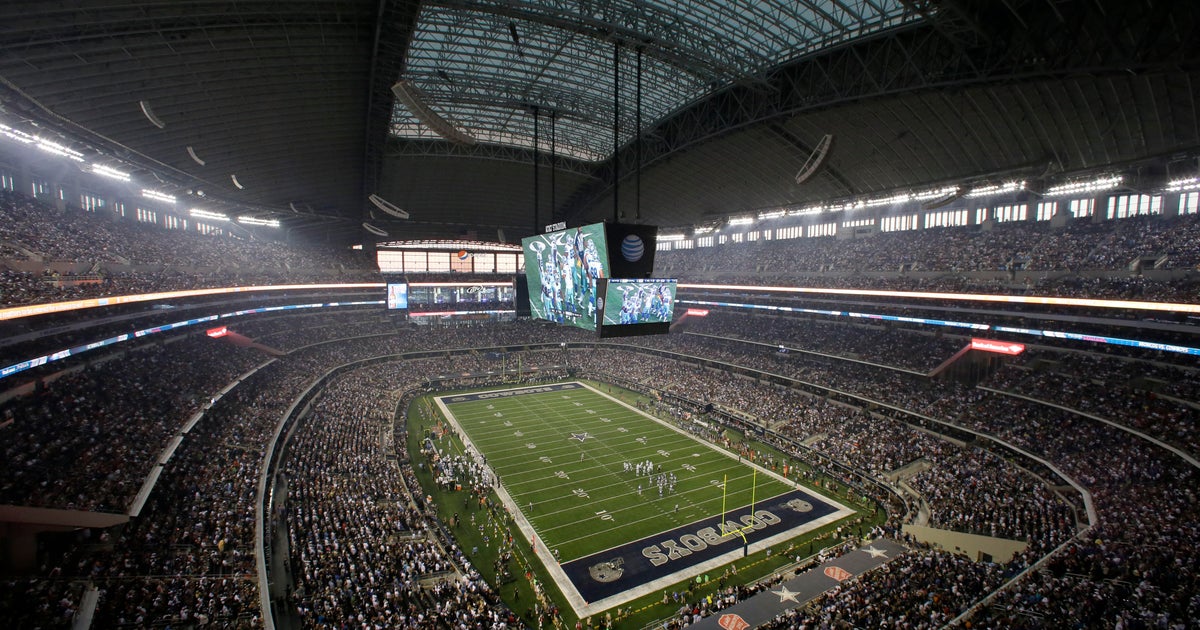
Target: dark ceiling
[(295, 100)]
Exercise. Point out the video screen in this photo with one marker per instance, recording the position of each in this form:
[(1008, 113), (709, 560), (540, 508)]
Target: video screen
[(397, 296), (563, 269), (638, 307)]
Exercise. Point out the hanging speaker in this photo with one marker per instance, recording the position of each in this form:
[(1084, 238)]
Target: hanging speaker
[(816, 159)]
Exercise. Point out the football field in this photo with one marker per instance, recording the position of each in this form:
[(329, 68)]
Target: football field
[(617, 503)]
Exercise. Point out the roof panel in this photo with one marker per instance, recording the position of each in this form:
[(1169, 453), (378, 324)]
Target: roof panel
[(484, 64)]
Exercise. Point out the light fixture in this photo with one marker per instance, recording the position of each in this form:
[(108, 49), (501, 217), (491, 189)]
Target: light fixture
[(50, 146), (157, 196), (17, 134), (205, 214), (236, 182), (671, 237), (195, 158), (771, 214), (1099, 184), (741, 221), (815, 209), (1190, 183), (113, 173), (247, 220), (996, 189)]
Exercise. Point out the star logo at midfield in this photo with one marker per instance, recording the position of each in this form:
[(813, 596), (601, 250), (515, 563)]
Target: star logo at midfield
[(580, 436), (785, 595), (875, 553)]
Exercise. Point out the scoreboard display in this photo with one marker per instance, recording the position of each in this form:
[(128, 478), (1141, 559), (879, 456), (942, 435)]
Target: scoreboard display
[(568, 272), (639, 306), (563, 268)]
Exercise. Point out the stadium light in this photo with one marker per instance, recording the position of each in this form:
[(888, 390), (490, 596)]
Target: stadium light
[(1178, 185), (157, 196), (205, 214), (817, 209), (17, 134), (704, 229), (50, 146), (100, 169), (671, 237), (1074, 188), (742, 221), (246, 220), (996, 189), (771, 214)]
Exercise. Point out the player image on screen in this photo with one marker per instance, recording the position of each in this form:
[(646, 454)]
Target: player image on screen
[(639, 302), (397, 295), (562, 268)]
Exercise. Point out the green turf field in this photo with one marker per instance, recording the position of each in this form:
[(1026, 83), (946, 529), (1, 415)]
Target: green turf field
[(560, 456)]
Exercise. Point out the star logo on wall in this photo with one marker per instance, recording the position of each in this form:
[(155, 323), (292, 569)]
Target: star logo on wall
[(580, 436)]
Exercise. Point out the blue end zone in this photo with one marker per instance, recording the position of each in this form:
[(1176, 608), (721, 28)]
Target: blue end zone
[(612, 571)]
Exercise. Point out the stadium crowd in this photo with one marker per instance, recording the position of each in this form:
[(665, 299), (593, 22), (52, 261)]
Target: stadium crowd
[(87, 439), (112, 256), (1085, 258), (84, 443), (1081, 245)]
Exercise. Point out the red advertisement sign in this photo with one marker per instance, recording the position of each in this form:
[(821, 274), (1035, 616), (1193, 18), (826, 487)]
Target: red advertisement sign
[(219, 331), (698, 312), (999, 347)]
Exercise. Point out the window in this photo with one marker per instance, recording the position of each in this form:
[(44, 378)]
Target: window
[(389, 261), (7, 182), (205, 228), (737, 238), (1124, 206), (663, 246), (946, 218), (1083, 207), (722, 239), (460, 264), (119, 209), (150, 216), (900, 223), (172, 222), (822, 229), (789, 232), (704, 241), (752, 236), (39, 188), (1016, 212), (439, 261), (509, 263), (485, 262), (415, 261), (981, 215), (858, 223), (90, 202), (688, 244), (1189, 203), (1046, 210)]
